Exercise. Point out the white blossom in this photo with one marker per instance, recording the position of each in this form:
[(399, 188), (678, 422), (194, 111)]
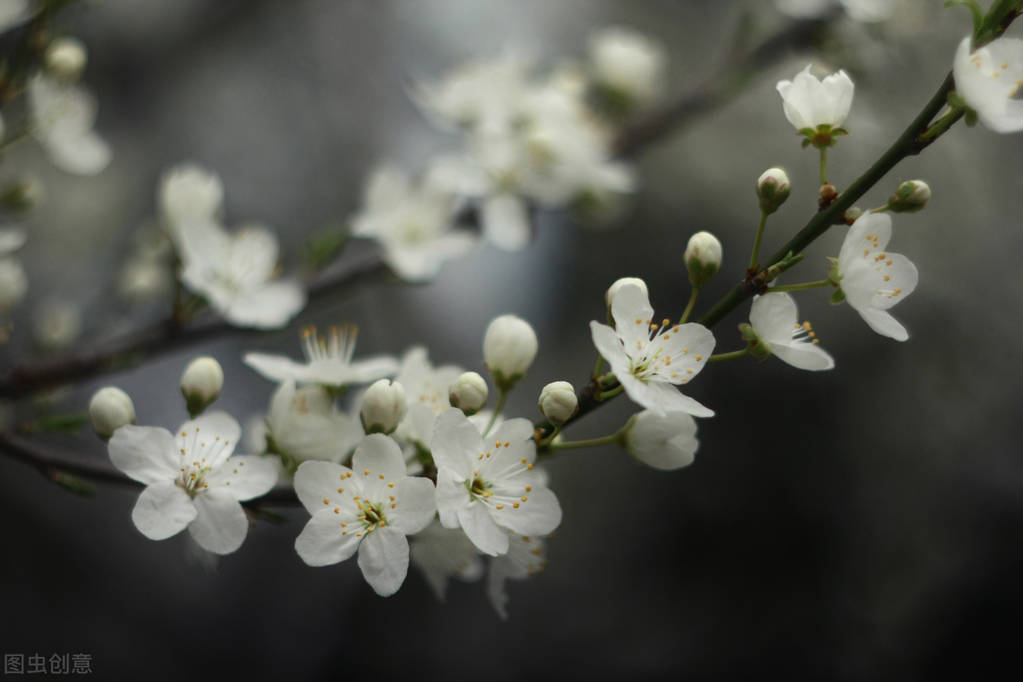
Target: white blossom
[(328, 361), (487, 486), (14, 12), (62, 116), (662, 441), (110, 408), (370, 508), (441, 553), (775, 320), (413, 224), (872, 278), (235, 273), (810, 102), (304, 424), (192, 480), (524, 559), (651, 359), (57, 323), (627, 62), (989, 79)]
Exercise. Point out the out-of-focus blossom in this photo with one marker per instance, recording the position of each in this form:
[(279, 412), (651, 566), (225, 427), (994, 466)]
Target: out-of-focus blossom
[(63, 115), (989, 79), (328, 361)]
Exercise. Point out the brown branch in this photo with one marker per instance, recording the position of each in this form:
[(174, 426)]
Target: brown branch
[(163, 337)]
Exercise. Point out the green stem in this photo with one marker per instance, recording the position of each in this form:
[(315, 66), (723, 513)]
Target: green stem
[(615, 437), (824, 165), (502, 396), (729, 356), (610, 393), (756, 242), (597, 368), (689, 306), (800, 287), (907, 144)]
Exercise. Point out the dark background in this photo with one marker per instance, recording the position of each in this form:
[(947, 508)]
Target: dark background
[(861, 524)]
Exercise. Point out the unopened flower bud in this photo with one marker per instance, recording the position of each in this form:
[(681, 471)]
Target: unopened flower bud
[(613, 290), (772, 189), (558, 401), (468, 393), (702, 258), (201, 383), (509, 347), (911, 196), (65, 59), (852, 214), (383, 406), (110, 409), (826, 195)]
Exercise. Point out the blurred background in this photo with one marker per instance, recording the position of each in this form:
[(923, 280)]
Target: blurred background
[(860, 524)]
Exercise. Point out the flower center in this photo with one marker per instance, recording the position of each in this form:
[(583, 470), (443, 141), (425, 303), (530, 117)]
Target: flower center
[(337, 345), (371, 514)]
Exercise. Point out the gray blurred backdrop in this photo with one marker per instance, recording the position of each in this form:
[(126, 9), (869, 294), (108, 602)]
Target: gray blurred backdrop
[(861, 524)]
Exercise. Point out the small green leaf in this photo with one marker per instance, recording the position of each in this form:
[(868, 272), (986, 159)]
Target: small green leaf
[(72, 484)]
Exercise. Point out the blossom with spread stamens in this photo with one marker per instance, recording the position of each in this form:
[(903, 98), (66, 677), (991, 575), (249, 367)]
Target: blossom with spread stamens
[(775, 322), (235, 273), (370, 508), (328, 361), (872, 279), (989, 79), (650, 359), (487, 486), (192, 480)]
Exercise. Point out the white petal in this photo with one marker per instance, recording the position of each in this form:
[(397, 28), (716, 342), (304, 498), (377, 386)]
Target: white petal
[(145, 453), (80, 153), (609, 345), (455, 441), (774, 317), (370, 369), (879, 283), (540, 514), (663, 442), (324, 541), (415, 502), (452, 496), (244, 477), (883, 323), (479, 526), (11, 239), (387, 185), (221, 525), (383, 558), (661, 397), (988, 81), (506, 222), (163, 510), (276, 367), (803, 355), (631, 303), (867, 237), (317, 485), (269, 307)]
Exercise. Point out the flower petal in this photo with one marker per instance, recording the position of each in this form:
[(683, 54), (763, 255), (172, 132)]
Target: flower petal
[(383, 558), (321, 484), (415, 502), (479, 526), (774, 317), (324, 541), (803, 355), (538, 514), (455, 441), (268, 307), (244, 476), (609, 345), (451, 497), (221, 525), (506, 222), (882, 322), (163, 510), (146, 454), (276, 367)]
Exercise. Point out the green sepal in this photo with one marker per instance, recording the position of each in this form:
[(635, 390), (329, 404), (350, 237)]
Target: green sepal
[(838, 297), (970, 118)]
